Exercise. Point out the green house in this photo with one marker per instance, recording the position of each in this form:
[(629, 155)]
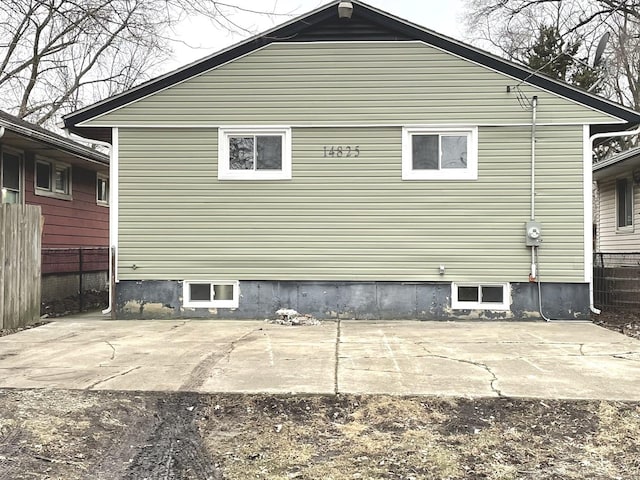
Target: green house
[(351, 164)]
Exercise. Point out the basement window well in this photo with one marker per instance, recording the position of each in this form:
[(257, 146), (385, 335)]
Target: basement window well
[(211, 294), (480, 296)]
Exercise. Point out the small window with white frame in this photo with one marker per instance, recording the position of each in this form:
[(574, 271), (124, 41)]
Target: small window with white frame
[(430, 153), (102, 189), (211, 293), (259, 153), (53, 179), (489, 296)]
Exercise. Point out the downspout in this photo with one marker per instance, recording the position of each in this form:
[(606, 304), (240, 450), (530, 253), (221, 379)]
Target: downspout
[(534, 113), (2, 130), (533, 277), (107, 145), (624, 133)]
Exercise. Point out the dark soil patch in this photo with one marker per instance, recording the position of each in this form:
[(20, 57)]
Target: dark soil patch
[(128, 435), (9, 331), (92, 300), (621, 321)]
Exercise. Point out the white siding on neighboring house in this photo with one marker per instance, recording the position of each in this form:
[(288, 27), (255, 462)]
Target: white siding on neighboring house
[(610, 238)]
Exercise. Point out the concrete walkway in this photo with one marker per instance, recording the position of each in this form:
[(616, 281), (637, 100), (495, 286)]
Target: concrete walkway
[(471, 359)]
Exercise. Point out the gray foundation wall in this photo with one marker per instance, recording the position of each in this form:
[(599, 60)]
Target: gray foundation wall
[(349, 300)]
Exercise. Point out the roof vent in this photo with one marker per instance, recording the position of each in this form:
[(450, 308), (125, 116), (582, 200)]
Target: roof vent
[(345, 9)]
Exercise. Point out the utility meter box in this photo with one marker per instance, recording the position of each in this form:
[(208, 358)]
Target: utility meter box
[(533, 234)]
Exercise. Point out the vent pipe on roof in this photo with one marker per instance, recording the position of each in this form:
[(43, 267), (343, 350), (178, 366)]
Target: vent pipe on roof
[(1, 132), (345, 10)]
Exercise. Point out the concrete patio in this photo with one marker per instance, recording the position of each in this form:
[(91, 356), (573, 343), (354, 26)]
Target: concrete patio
[(469, 359)]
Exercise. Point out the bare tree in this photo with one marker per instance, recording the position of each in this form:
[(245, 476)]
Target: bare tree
[(58, 55), (511, 27)]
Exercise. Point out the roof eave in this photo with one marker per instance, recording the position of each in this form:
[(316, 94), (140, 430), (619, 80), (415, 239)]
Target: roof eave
[(68, 146)]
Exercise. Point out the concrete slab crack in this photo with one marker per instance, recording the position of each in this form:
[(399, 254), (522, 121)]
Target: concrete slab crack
[(113, 353), (202, 371), (122, 374), (485, 367), (359, 369), (582, 349), (620, 357)]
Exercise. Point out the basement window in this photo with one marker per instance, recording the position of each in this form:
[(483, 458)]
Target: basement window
[(211, 294), (254, 154), (440, 153), (480, 296)]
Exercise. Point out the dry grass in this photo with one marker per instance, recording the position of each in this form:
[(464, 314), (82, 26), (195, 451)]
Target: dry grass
[(69, 435)]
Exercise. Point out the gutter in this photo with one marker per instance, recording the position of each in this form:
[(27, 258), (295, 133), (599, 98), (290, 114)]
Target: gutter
[(79, 151), (624, 133), (107, 310)]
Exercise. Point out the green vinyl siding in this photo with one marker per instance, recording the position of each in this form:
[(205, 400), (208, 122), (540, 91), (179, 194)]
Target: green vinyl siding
[(392, 83), (347, 218)]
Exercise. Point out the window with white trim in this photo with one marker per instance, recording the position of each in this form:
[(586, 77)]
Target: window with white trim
[(624, 203), (102, 189), (254, 153), (53, 179), (490, 296), (11, 177), (211, 294), (431, 153)]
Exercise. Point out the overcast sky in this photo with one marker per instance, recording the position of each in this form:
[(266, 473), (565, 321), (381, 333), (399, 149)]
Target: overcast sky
[(199, 38)]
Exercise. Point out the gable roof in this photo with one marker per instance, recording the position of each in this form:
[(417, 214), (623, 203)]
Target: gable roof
[(37, 134), (366, 24), (617, 164)]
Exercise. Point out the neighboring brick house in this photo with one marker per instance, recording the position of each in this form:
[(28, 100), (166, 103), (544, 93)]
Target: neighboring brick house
[(70, 182)]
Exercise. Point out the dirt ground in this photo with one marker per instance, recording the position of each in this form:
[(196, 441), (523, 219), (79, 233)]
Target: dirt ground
[(73, 435), (621, 321), (92, 300), (115, 435)]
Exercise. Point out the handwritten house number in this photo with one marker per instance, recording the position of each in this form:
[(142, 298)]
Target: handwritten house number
[(341, 151)]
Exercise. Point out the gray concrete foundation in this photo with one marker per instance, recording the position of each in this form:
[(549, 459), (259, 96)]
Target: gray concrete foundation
[(350, 300)]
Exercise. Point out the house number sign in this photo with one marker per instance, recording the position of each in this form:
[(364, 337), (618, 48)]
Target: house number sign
[(341, 150)]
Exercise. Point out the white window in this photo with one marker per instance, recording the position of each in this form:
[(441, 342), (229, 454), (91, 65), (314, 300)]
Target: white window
[(254, 153), (211, 294), (440, 153), (53, 179), (480, 296), (102, 189), (624, 203), (11, 177)]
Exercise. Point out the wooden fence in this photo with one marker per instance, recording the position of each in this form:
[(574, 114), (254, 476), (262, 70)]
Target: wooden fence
[(20, 234)]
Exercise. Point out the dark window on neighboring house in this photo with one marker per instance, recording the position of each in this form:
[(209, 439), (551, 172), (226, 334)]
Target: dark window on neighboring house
[(102, 190), (624, 202), (53, 179), (10, 177)]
